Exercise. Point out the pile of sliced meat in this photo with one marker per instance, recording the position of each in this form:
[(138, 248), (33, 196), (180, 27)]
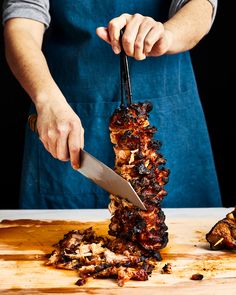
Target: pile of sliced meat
[(223, 233), (136, 236), (100, 257)]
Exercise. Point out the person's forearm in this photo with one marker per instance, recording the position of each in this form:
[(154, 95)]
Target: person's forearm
[(189, 25), (27, 62), (59, 127)]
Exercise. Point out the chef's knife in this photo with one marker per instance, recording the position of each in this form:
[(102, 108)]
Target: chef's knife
[(108, 179), (101, 174)]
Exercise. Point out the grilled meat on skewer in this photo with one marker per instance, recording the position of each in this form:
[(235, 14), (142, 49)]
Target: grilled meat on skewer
[(136, 236), (138, 161), (223, 233)]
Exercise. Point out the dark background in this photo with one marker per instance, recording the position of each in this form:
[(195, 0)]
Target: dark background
[(214, 63)]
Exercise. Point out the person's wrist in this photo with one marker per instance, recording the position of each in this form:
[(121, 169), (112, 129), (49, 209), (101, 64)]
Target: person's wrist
[(46, 99), (169, 40)]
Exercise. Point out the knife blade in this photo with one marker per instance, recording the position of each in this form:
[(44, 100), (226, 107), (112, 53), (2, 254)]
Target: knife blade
[(108, 179)]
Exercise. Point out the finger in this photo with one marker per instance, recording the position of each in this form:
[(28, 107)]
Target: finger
[(51, 141), (48, 142), (158, 48), (144, 29), (74, 144), (130, 34), (162, 45), (42, 138), (82, 138), (45, 144), (152, 37), (102, 32), (62, 150), (114, 27)]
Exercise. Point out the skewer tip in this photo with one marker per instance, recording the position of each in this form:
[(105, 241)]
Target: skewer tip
[(218, 242)]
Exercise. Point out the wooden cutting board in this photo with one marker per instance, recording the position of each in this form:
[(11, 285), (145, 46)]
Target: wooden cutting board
[(24, 243)]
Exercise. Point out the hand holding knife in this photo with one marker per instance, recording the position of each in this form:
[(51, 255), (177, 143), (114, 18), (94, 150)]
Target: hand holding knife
[(101, 174)]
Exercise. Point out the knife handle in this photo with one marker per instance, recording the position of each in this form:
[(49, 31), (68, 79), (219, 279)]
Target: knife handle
[(32, 121)]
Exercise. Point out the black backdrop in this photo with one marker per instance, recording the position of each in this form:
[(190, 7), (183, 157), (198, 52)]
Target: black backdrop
[(214, 63)]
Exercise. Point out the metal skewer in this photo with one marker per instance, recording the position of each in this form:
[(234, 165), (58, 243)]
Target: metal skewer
[(125, 77), (122, 82)]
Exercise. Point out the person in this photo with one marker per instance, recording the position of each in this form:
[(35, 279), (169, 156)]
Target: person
[(72, 76)]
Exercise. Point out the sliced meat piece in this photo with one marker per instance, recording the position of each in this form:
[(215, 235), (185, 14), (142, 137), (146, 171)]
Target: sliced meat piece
[(223, 233)]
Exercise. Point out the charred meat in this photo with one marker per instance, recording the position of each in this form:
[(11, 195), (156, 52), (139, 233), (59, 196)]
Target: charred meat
[(136, 236), (139, 162), (223, 233), (167, 269), (100, 257), (197, 277)]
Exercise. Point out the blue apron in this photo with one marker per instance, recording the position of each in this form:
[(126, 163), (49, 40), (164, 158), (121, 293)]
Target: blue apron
[(87, 72)]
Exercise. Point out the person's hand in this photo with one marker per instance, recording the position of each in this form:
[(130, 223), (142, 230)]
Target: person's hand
[(143, 36), (61, 131)]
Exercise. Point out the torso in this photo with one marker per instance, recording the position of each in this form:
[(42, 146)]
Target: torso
[(87, 71)]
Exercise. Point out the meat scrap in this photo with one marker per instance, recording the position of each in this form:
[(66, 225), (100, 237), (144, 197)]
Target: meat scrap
[(197, 277), (131, 250), (223, 233), (167, 268)]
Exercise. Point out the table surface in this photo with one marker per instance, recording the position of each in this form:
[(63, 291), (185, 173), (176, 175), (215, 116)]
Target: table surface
[(101, 214), (25, 239)]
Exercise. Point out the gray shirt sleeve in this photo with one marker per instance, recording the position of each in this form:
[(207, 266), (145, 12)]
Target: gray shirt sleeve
[(34, 9), (39, 9), (177, 4)]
